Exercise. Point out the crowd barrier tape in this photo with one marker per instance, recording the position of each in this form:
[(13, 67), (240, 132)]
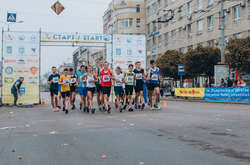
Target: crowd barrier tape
[(190, 92), (237, 94)]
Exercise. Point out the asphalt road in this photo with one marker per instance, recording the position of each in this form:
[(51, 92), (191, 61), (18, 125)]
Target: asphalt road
[(182, 134)]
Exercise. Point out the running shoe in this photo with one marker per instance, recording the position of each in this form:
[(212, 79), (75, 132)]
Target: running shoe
[(120, 109), (54, 109), (152, 107), (100, 109), (109, 110), (63, 109), (136, 106), (66, 111), (143, 106), (103, 109), (124, 107), (93, 111), (158, 106), (130, 109), (73, 107), (87, 109), (59, 107)]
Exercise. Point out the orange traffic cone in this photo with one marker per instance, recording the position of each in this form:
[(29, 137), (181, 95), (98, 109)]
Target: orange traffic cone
[(165, 104), (43, 102)]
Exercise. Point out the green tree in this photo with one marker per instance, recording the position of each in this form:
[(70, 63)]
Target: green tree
[(201, 61), (239, 54), (168, 63)]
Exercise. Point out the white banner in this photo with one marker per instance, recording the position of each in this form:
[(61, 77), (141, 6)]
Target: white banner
[(21, 55), (127, 49)]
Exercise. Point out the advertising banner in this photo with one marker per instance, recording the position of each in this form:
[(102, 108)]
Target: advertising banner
[(127, 49), (21, 58), (238, 94), (220, 71), (190, 92)]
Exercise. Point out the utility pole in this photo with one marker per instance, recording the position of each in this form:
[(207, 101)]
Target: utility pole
[(222, 28)]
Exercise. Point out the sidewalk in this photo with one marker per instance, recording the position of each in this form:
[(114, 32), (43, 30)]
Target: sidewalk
[(198, 100)]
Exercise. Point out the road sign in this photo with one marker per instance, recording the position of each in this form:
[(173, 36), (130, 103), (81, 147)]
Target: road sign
[(181, 71), (57, 8), (11, 17)]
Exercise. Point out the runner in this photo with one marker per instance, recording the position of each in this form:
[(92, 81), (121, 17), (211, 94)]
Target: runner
[(53, 82), (153, 85), (106, 77), (73, 85), (129, 81), (65, 90), (82, 88), (59, 93), (91, 80), (98, 84), (118, 79), (139, 75)]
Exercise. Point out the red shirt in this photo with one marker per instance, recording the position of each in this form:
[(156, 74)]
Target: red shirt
[(106, 78)]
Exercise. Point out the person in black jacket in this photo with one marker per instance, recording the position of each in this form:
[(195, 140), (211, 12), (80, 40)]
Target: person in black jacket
[(15, 89)]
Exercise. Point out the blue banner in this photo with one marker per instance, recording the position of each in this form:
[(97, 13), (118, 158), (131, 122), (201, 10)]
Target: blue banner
[(237, 94)]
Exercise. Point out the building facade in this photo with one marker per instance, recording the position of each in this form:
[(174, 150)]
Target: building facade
[(125, 17), (192, 23)]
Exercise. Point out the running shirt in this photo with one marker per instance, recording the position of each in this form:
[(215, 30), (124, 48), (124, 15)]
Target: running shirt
[(118, 80), (65, 87), (130, 78), (73, 80), (80, 75), (154, 75), (89, 83), (55, 79), (139, 75), (16, 86), (106, 78)]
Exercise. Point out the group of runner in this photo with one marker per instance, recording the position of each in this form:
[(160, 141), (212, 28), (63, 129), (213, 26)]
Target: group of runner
[(88, 82)]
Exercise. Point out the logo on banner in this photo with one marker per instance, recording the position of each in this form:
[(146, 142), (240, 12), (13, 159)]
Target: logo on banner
[(9, 37), (8, 80), (33, 38), (9, 70), (9, 61), (129, 52), (21, 51), (129, 40), (20, 61), (9, 50), (140, 51), (33, 80), (11, 17), (33, 70), (22, 90), (32, 61), (33, 51), (21, 38)]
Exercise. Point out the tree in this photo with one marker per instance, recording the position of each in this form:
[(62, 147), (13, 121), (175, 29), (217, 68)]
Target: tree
[(168, 63), (239, 54), (201, 61)]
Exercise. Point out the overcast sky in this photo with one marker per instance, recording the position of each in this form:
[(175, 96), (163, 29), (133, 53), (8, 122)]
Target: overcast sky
[(83, 16)]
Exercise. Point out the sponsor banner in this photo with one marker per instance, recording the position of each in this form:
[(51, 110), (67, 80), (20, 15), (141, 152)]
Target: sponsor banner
[(74, 37), (220, 71), (127, 49), (190, 92), (21, 59), (238, 94)]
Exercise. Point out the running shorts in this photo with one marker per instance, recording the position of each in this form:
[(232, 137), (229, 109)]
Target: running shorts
[(106, 90), (151, 87), (65, 94), (139, 87), (129, 89), (118, 91), (92, 90), (53, 91), (82, 91), (72, 89), (98, 88)]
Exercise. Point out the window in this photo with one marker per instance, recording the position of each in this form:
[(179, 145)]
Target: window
[(154, 27), (165, 18), (148, 43), (154, 8), (153, 40), (190, 47), (189, 8), (199, 26), (138, 22), (181, 33), (148, 11), (159, 3), (138, 8), (190, 30), (210, 23), (199, 5), (173, 34), (125, 23), (211, 43), (237, 12), (159, 40), (181, 12), (160, 24), (166, 38), (174, 16), (210, 3), (181, 50), (237, 35), (166, 3), (148, 28)]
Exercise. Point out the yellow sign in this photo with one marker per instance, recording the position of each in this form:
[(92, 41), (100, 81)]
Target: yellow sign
[(190, 92), (74, 37)]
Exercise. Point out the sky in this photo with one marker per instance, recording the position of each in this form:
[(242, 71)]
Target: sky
[(84, 16)]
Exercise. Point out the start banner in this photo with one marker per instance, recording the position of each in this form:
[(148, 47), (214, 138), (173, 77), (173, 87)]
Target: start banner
[(190, 92), (21, 58), (237, 94)]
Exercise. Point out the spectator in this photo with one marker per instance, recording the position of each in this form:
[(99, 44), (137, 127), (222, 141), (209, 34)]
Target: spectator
[(229, 82), (15, 89), (241, 83), (222, 83)]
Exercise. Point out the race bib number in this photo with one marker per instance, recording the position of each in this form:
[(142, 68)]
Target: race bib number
[(106, 78), (73, 80), (118, 82), (55, 80), (66, 82), (155, 77), (130, 79), (138, 76)]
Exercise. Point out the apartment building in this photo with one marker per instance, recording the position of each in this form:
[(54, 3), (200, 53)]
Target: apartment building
[(125, 17), (192, 22)]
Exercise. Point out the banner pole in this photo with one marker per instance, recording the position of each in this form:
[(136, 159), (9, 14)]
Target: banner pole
[(40, 33), (2, 68)]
